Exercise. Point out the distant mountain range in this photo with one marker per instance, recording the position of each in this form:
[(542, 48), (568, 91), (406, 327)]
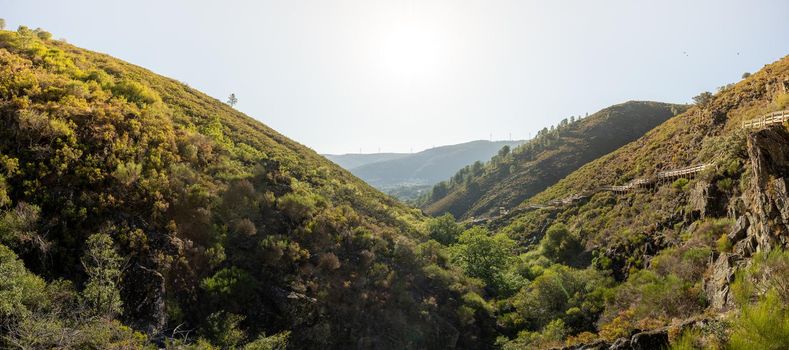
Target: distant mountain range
[(355, 160), (406, 174)]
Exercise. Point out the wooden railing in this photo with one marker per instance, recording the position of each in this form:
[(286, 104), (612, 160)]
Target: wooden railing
[(634, 184), (778, 117), (637, 183), (682, 172), (617, 189)]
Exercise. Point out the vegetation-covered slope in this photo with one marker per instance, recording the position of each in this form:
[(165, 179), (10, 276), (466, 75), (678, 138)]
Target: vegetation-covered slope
[(664, 259), (141, 201), (511, 177)]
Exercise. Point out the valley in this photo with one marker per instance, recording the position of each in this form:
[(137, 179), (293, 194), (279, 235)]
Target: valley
[(138, 212), (409, 176)]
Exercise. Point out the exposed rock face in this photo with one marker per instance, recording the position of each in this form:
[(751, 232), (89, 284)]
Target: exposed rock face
[(717, 285), (144, 304), (647, 340), (766, 202), (762, 223), (656, 339), (762, 215), (621, 344), (704, 200), (739, 230)]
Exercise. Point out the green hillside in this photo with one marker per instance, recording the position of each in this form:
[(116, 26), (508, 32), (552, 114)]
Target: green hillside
[(680, 261), (136, 210), (139, 213), (511, 177)]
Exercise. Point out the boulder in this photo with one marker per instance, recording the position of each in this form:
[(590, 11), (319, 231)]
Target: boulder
[(701, 199), (621, 344), (654, 339), (716, 285)]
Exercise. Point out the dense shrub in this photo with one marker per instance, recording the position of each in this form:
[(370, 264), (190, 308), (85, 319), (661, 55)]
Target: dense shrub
[(277, 341), (680, 184), (763, 325), (552, 335), (671, 287), (762, 292), (135, 92), (444, 229), (561, 245), (769, 271), (782, 101), (561, 293), (483, 255), (20, 291)]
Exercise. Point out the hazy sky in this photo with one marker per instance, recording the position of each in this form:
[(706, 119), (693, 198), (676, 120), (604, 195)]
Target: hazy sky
[(400, 75)]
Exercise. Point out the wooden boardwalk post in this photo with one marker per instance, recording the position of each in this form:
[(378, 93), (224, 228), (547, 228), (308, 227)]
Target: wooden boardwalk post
[(777, 117)]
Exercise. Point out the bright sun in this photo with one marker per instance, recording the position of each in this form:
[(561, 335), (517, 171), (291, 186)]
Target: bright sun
[(410, 51)]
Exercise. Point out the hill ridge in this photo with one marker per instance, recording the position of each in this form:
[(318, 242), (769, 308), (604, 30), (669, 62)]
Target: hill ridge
[(676, 254), (171, 210), (512, 178)]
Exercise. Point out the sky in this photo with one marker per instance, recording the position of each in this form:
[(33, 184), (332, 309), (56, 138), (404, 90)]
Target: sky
[(401, 76)]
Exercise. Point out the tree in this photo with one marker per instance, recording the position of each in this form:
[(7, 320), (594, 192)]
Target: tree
[(103, 266), (2, 24), (43, 34), (232, 100), (444, 229), (439, 191), (483, 256), (504, 151), (20, 290), (19, 225), (560, 245), (703, 99), (745, 75), (576, 296)]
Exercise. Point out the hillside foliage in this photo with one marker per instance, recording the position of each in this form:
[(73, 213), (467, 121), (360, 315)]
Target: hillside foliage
[(513, 175), (139, 213), (645, 257), (136, 210)]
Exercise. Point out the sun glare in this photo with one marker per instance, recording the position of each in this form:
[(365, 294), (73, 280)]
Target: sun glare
[(410, 51)]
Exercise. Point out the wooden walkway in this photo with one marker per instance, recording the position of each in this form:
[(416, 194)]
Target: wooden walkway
[(632, 185), (635, 184), (660, 177), (778, 117), (684, 172)]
